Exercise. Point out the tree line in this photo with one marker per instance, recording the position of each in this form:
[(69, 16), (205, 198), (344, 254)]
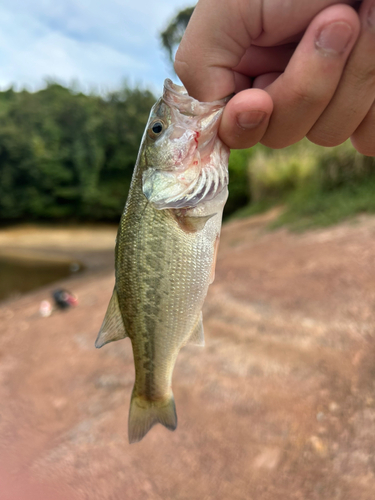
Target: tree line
[(66, 155)]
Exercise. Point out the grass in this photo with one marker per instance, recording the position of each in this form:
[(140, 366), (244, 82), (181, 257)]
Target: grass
[(256, 208), (306, 210), (317, 186)]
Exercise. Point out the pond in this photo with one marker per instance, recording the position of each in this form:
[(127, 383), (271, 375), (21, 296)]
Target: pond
[(18, 275)]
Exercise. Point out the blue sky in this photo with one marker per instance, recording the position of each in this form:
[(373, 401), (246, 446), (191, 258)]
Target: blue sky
[(99, 43)]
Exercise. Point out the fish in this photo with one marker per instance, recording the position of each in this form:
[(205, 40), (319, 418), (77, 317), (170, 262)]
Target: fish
[(166, 248)]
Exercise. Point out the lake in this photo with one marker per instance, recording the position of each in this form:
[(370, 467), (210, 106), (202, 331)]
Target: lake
[(18, 276)]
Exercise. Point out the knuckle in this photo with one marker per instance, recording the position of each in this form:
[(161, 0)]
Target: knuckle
[(183, 62), (364, 77), (179, 69), (310, 96), (180, 65)]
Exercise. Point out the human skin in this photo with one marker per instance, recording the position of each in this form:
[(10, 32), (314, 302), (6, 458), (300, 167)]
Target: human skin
[(298, 68)]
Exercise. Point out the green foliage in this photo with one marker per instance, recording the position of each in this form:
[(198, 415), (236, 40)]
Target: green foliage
[(239, 187), (318, 186), (342, 185), (311, 208), (274, 173), (66, 155), (171, 36)]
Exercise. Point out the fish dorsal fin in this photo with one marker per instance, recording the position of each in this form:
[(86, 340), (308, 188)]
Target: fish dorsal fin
[(113, 325), (197, 335), (190, 224)]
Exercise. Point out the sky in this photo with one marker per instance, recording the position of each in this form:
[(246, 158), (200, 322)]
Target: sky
[(97, 44)]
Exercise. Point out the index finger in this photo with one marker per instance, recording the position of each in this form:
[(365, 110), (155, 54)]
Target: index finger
[(208, 50)]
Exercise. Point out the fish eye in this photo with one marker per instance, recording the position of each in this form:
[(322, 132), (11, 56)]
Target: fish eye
[(156, 129)]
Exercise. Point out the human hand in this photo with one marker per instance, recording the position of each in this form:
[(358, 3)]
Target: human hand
[(298, 68)]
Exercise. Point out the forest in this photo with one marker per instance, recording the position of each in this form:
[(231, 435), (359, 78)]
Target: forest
[(66, 155)]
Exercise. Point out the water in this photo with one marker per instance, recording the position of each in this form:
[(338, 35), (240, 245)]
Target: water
[(18, 276)]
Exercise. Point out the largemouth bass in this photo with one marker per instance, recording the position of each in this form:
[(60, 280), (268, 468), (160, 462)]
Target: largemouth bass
[(166, 248)]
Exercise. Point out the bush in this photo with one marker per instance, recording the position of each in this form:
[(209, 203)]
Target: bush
[(239, 188), (318, 186)]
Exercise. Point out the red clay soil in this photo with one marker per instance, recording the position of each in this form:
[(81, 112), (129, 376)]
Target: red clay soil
[(280, 404)]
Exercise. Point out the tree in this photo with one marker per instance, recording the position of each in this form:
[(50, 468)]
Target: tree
[(66, 155), (171, 36)]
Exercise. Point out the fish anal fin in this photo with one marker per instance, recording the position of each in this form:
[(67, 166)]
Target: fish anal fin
[(197, 335), (144, 414), (188, 223), (113, 326)]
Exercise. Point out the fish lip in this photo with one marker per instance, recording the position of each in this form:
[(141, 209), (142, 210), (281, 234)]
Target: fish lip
[(178, 97), (200, 120)]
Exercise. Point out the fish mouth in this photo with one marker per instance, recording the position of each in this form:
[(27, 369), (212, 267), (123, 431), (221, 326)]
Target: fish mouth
[(199, 118), (201, 173), (177, 96)]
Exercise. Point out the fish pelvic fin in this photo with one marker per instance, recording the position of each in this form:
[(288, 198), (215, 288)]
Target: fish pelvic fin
[(144, 414), (197, 335), (113, 325)]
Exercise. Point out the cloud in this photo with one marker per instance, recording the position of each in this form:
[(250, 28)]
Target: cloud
[(98, 42)]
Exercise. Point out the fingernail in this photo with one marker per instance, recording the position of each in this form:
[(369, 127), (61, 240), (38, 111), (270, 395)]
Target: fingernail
[(334, 38), (371, 17), (250, 119)]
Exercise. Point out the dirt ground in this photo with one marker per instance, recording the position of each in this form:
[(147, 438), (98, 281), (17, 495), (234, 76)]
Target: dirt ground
[(280, 404)]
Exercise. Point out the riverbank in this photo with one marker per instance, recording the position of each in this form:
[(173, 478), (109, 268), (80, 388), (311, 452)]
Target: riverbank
[(279, 404), (33, 256), (92, 245)]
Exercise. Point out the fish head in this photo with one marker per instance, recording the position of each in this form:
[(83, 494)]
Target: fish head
[(185, 160)]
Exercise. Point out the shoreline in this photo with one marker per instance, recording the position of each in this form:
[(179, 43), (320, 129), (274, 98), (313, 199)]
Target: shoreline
[(30, 254)]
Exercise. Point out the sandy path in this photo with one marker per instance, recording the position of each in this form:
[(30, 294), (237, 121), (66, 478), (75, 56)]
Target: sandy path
[(279, 404)]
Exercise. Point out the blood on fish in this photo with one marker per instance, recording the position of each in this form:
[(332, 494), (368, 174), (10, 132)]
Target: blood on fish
[(197, 135)]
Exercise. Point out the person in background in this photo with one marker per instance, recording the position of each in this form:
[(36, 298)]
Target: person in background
[(298, 68)]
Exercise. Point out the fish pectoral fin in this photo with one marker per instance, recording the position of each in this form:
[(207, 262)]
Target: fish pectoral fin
[(197, 335), (113, 325), (144, 414), (188, 223)]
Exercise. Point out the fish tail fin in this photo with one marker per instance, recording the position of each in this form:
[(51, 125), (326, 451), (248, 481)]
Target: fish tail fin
[(144, 414)]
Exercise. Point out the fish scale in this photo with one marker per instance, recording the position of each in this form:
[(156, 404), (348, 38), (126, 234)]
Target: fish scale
[(165, 252), (156, 299)]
